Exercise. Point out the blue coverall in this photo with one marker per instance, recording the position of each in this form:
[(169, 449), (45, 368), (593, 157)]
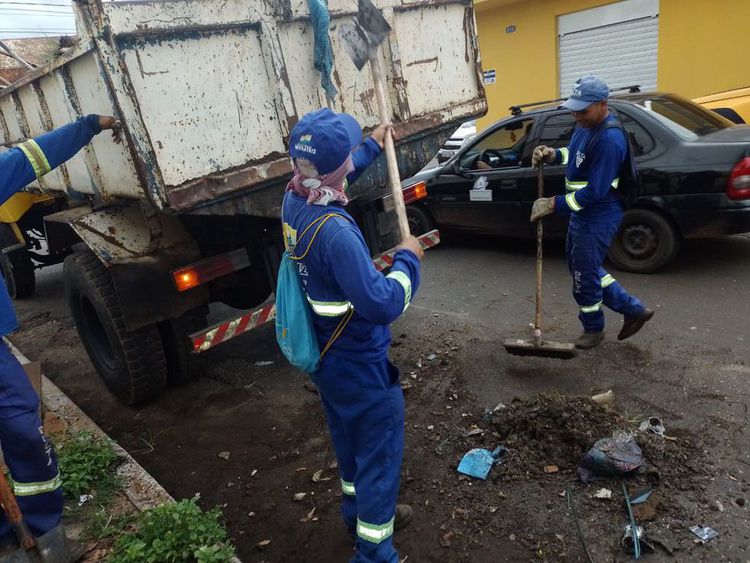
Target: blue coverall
[(28, 454), (359, 387), (594, 159)]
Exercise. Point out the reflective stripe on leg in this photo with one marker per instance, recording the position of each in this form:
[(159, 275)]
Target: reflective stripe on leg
[(608, 280), (375, 533), (39, 488), (591, 308), (347, 488)]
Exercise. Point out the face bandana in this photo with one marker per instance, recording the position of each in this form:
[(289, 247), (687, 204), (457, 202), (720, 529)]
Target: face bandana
[(320, 190)]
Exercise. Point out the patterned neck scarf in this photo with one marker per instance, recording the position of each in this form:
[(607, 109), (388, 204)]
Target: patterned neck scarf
[(320, 190)]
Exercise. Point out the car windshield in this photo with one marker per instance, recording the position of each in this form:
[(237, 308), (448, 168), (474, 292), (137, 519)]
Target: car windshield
[(685, 118)]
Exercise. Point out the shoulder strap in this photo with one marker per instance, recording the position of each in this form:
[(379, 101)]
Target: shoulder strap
[(320, 221)]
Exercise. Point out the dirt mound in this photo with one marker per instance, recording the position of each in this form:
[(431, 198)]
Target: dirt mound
[(544, 430)]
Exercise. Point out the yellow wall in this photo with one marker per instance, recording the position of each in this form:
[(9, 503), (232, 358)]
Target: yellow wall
[(702, 48)]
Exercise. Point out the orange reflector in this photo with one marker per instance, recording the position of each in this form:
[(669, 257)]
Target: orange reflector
[(185, 279), (415, 192), (209, 269)]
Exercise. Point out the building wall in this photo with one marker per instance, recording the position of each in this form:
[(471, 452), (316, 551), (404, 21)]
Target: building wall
[(698, 47)]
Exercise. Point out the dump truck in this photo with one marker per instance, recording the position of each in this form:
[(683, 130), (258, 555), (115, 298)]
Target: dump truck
[(184, 212)]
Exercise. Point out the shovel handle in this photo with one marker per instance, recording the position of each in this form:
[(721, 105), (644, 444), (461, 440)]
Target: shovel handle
[(390, 150), (14, 516), (539, 235)]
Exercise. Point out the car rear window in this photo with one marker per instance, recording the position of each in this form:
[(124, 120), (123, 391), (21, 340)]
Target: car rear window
[(688, 120)]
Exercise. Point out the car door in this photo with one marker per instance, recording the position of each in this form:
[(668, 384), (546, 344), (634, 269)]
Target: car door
[(480, 191)]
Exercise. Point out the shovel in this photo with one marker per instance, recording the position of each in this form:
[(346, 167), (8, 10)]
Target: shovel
[(361, 39), (52, 547), (537, 346)]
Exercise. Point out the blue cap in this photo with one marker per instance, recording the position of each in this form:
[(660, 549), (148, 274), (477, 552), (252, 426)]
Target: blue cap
[(325, 139), (586, 91)]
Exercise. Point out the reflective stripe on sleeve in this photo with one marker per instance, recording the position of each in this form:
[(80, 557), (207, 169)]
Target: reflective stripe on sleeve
[(347, 488), (592, 308), (405, 282), (570, 199), (607, 280), (36, 157), (572, 186), (39, 488), (565, 154), (329, 308), (375, 533)]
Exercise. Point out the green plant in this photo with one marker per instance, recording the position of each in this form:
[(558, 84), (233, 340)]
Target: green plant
[(87, 465), (175, 533)]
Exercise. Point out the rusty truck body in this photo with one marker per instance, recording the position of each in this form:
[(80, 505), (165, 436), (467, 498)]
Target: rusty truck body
[(207, 93)]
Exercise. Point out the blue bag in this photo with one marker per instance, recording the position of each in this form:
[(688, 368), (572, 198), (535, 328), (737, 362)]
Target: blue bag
[(294, 326), (295, 331)]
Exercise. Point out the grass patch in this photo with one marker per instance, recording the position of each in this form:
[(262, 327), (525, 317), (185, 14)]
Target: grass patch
[(87, 466), (177, 532)]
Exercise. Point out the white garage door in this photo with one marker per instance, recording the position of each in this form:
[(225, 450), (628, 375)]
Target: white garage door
[(618, 42)]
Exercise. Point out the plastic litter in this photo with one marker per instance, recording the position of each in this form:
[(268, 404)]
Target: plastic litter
[(604, 494), (604, 399), (478, 461), (653, 425), (641, 496), (704, 533), (611, 457)]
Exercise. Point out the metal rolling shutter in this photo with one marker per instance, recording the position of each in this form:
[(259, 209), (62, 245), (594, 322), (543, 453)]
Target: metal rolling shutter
[(621, 52)]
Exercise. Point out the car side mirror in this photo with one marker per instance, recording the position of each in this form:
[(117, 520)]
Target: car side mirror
[(455, 168)]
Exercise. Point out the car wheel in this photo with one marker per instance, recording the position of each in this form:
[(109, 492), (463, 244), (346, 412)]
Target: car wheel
[(645, 243), (420, 221), (18, 271), (131, 364)]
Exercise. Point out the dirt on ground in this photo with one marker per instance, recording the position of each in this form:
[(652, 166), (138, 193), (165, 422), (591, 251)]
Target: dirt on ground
[(254, 449)]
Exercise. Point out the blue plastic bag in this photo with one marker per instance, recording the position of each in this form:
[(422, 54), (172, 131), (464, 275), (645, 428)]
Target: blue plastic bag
[(477, 462), (295, 332)]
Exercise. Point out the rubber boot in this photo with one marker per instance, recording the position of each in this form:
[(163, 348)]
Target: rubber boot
[(589, 339), (634, 323)]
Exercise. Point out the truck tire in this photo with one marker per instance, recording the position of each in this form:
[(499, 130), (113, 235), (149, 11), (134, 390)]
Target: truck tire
[(132, 364), (183, 366), (420, 220), (645, 243), (18, 272)]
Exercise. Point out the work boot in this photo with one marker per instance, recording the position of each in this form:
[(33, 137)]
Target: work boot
[(403, 516), (634, 323), (589, 339)]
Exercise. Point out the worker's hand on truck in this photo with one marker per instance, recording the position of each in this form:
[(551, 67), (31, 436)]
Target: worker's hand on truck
[(109, 122), (411, 244), (379, 134)]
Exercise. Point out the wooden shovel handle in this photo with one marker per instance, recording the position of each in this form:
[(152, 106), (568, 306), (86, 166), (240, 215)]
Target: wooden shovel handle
[(539, 234), (390, 150), (14, 516)]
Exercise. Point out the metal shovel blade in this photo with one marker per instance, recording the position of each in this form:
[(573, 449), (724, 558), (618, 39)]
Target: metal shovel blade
[(362, 37)]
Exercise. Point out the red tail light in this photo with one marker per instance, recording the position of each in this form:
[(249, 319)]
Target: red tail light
[(738, 186), (415, 192), (209, 269)]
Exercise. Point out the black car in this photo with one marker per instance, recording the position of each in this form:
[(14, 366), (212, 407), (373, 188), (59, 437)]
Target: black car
[(694, 166)]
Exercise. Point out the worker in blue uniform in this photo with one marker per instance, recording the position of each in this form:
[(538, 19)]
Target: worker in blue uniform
[(597, 153), (352, 305), (28, 455)]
